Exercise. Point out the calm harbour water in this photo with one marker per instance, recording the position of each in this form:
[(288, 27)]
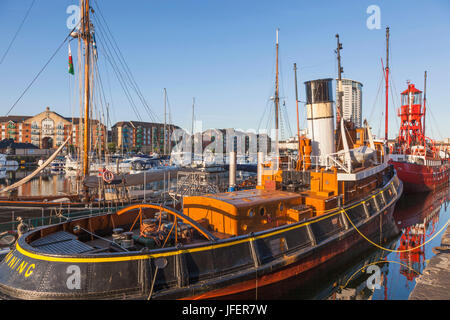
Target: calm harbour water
[(419, 217)]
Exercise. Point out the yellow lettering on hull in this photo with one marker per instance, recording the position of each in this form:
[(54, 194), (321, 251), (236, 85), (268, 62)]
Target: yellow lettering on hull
[(19, 265)]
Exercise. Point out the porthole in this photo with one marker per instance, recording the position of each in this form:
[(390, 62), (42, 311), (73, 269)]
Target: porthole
[(281, 207), (251, 213), (262, 211)]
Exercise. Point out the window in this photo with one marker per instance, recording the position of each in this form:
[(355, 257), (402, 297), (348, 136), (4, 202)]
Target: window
[(416, 98)]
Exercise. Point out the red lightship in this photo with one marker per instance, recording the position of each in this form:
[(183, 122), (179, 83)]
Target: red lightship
[(419, 163)]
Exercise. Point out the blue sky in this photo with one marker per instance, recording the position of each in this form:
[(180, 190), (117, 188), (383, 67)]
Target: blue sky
[(222, 53)]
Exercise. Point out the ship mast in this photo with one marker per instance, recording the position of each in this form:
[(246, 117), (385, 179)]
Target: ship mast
[(277, 98), (192, 131), (165, 134), (296, 103), (387, 86), (424, 106), (86, 36), (339, 116), (340, 93)]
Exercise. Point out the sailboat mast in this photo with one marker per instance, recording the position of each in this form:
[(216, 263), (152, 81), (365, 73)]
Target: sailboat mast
[(86, 35), (277, 98), (387, 85), (296, 103), (192, 124), (192, 130), (165, 133)]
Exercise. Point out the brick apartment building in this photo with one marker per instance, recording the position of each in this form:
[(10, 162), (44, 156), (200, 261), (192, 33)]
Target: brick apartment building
[(48, 130)]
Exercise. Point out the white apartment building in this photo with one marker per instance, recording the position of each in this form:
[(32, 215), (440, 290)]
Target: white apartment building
[(352, 101)]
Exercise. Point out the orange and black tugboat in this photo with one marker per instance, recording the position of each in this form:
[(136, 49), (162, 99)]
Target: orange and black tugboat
[(224, 244)]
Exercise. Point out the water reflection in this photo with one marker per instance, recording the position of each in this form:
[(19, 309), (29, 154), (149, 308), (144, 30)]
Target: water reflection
[(419, 218), (44, 184)]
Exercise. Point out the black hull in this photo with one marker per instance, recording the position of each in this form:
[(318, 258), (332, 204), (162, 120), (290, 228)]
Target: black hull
[(225, 268)]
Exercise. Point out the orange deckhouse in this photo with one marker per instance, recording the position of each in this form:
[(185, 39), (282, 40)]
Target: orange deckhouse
[(241, 212), (327, 176)]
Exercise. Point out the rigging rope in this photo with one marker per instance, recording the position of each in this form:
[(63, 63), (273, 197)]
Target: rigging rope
[(109, 36), (120, 77), (376, 98), (42, 69), (17, 32)]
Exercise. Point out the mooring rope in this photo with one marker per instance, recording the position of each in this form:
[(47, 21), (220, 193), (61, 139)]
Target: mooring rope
[(390, 250)]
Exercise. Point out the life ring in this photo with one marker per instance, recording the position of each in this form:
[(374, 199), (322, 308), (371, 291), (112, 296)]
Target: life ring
[(108, 176)]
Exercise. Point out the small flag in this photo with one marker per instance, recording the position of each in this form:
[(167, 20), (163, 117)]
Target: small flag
[(70, 62)]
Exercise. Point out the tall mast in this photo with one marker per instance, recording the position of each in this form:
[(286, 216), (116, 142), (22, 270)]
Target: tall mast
[(340, 93), (277, 98), (86, 35), (192, 130), (387, 85), (339, 116), (424, 103), (296, 103), (192, 125), (165, 134)]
